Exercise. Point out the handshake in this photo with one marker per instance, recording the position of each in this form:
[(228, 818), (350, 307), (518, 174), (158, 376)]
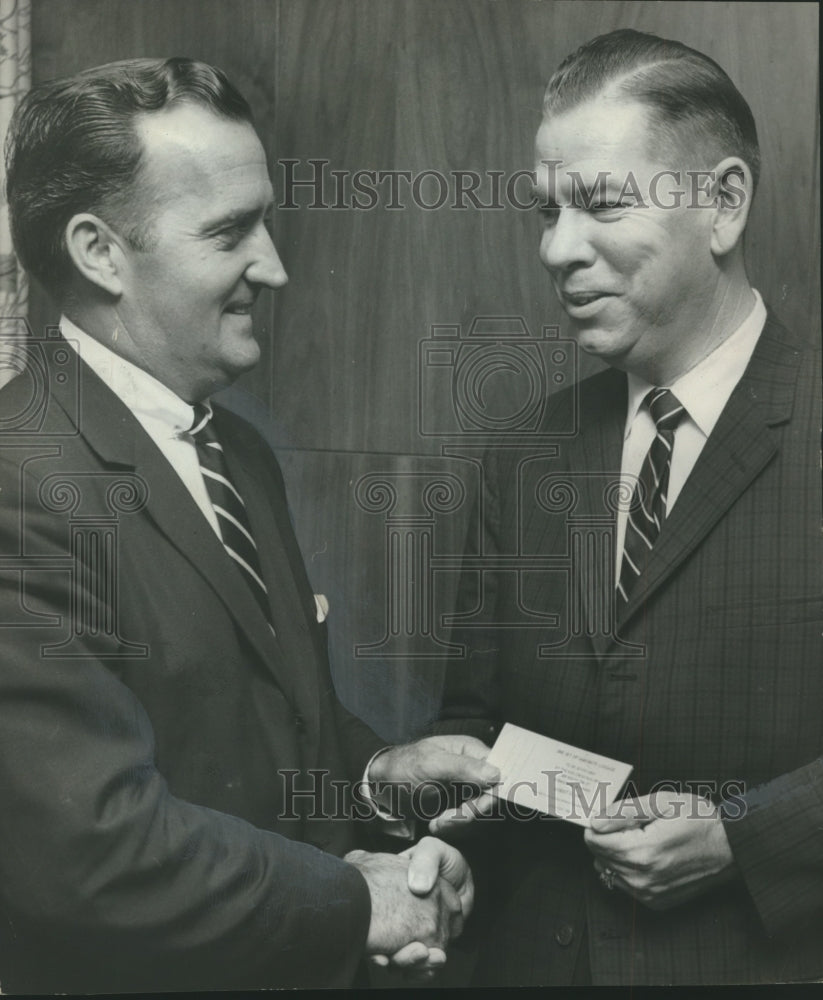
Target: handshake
[(419, 900), (663, 849), (421, 897)]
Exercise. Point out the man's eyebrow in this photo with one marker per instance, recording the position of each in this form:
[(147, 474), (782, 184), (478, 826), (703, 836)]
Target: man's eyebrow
[(544, 200), (237, 218)]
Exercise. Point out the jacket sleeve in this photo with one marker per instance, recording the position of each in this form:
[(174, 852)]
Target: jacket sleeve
[(109, 882), (360, 741), (776, 835), (471, 690)]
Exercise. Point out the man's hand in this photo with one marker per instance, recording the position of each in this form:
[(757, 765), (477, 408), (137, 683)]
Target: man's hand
[(427, 773), (398, 916), (429, 860), (663, 849), (452, 822)]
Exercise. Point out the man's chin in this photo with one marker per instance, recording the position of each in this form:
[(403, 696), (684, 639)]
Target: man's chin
[(243, 352), (234, 366), (596, 341), (240, 366)]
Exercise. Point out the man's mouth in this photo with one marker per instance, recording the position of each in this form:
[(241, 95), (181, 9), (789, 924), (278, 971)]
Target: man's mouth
[(578, 299), (239, 308)]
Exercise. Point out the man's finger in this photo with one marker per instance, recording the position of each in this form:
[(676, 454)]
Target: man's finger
[(413, 954), (452, 910), (454, 820), (612, 876), (446, 766), (614, 824), (470, 746), (615, 845), (627, 814)]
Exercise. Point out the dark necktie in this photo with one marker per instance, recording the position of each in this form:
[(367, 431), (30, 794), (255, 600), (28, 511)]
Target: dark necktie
[(228, 505), (648, 507)]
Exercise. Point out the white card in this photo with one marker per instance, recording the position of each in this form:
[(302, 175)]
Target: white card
[(553, 777)]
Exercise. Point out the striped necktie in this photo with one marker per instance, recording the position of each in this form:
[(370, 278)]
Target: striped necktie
[(648, 507), (232, 520)]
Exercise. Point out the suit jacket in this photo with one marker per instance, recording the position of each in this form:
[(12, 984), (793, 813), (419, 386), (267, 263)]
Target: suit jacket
[(710, 678), (155, 735)]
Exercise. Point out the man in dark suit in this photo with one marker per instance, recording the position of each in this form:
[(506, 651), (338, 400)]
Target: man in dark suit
[(682, 618), (178, 778)]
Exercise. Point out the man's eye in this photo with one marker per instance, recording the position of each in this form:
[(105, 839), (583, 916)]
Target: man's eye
[(230, 237), (548, 215), (611, 206)]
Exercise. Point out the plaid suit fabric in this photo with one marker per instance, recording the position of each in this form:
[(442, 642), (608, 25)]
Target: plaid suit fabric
[(712, 680)]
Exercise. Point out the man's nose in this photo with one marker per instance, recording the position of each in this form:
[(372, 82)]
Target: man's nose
[(566, 242), (266, 268)]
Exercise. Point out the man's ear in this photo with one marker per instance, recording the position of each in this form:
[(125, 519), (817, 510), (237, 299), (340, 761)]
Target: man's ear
[(733, 191), (96, 251)]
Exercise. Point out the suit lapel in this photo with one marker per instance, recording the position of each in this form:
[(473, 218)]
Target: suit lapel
[(113, 432), (598, 448), (739, 448), (594, 464)]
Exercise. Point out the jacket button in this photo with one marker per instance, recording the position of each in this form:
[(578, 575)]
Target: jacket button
[(564, 935), (299, 723)]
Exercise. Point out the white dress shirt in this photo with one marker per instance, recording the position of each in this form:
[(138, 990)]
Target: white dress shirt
[(704, 391), (164, 416)]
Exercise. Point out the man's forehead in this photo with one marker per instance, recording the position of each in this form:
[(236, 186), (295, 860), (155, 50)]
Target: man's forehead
[(190, 136), (602, 133), (189, 151)]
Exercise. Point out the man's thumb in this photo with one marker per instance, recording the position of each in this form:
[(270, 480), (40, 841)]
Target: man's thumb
[(627, 814), (424, 866), (460, 767)]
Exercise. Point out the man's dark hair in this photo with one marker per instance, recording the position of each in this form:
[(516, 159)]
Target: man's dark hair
[(694, 108), (73, 147)]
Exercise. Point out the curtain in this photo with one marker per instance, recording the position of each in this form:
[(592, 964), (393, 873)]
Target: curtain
[(15, 80)]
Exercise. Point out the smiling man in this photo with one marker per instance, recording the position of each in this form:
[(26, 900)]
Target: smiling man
[(651, 278), (185, 300), (686, 639), (166, 703)]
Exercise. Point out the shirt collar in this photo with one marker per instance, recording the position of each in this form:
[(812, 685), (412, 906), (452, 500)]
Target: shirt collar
[(146, 397), (705, 389)]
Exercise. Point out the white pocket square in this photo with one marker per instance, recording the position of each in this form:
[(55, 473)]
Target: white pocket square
[(322, 604)]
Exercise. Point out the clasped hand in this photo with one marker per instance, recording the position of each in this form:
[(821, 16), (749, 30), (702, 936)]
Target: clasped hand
[(420, 899), (662, 849)]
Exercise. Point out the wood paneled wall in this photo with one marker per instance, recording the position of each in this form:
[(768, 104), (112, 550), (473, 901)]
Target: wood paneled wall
[(443, 85)]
